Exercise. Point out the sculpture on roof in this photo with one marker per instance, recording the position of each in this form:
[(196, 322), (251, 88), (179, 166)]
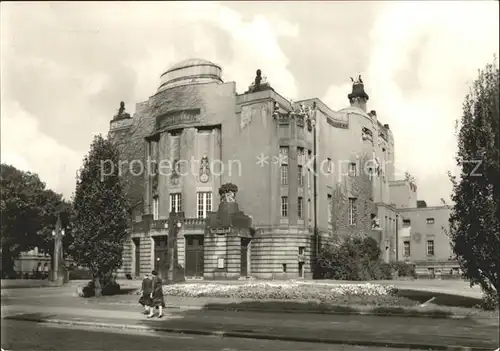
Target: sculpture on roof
[(121, 112), (260, 83), (357, 81)]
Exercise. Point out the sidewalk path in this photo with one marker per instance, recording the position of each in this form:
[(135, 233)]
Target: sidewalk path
[(361, 330)]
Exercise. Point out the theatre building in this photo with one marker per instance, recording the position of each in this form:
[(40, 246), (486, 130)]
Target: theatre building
[(195, 139)]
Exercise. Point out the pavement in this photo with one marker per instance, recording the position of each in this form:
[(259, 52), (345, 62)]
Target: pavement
[(59, 306), (18, 335)]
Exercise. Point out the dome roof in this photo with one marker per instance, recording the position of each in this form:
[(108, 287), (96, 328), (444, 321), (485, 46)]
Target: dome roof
[(191, 71), (192, 62)]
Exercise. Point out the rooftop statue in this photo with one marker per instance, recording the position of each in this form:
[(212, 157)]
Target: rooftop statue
[(260, 83), (358, 81), (121, 112)]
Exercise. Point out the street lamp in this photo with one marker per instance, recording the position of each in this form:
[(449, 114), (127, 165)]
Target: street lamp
[(174, 228), (58, 258)]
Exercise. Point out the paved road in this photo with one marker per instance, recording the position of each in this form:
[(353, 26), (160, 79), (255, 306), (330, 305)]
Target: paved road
[(21, 336), (59, 303)]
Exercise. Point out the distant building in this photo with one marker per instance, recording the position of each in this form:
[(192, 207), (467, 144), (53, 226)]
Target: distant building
[(196, 134), (423, 233)]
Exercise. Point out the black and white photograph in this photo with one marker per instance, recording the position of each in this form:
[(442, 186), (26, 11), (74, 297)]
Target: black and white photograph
[(250, 175)]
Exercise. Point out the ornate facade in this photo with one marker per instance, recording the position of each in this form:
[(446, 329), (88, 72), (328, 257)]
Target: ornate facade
[(196, 144)]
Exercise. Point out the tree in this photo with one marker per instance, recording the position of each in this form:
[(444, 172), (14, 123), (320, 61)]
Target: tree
[(101, 221), (28, 214), (474, 220)]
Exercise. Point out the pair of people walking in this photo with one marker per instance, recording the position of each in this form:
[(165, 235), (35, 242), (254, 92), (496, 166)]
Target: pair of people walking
[(152, 295)]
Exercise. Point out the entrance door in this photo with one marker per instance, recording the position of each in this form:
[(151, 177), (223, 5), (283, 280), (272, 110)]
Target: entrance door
[(161, 255), (137, 255), (194, 256), (301, 269), (244, 257)]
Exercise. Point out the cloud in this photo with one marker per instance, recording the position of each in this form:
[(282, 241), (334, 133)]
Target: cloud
[(66, 67), (26, 148), (452, 43)]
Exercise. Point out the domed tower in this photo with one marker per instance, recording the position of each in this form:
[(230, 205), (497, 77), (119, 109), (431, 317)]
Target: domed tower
[(358, 97), (192, 71)]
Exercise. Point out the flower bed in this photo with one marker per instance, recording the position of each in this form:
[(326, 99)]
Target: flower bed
[(344, 294)]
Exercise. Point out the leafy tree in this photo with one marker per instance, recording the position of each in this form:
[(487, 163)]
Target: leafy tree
[(101, 221), (475, 217), (28, 214)]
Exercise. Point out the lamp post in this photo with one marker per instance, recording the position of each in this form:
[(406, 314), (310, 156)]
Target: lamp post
[(57, 257), (174, 226)]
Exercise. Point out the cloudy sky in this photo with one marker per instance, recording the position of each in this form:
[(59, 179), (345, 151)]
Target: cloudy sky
[(66, 66)]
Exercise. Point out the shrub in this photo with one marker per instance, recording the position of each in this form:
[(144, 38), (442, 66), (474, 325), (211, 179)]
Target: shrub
[(109, 288), (404, 269), (489, 301), (351, 258)]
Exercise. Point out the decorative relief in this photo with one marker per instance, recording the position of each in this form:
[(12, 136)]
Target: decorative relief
[(154, 171), (228, 192), (366, 134), (375, 222), (176, 173), (246, 116), (178, 117), (204, 169), (276, 110)]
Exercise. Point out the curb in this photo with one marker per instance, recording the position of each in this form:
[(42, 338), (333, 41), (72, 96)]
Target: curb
[(313, 311), (235, 334)]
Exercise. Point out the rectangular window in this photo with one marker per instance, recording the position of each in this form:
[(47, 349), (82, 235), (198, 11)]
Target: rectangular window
[(330, 208), (176, 202), (300, 208), (284, 155), (309, 210), (406, 222), (155, 208), (302, 250), (430, 247), (329, 165), (284, 174), (352, 169), (301, 176), (284, 206), (301, 156), (352, 211), (430, 220), (309, 170), (406, 250), (204, 204)]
